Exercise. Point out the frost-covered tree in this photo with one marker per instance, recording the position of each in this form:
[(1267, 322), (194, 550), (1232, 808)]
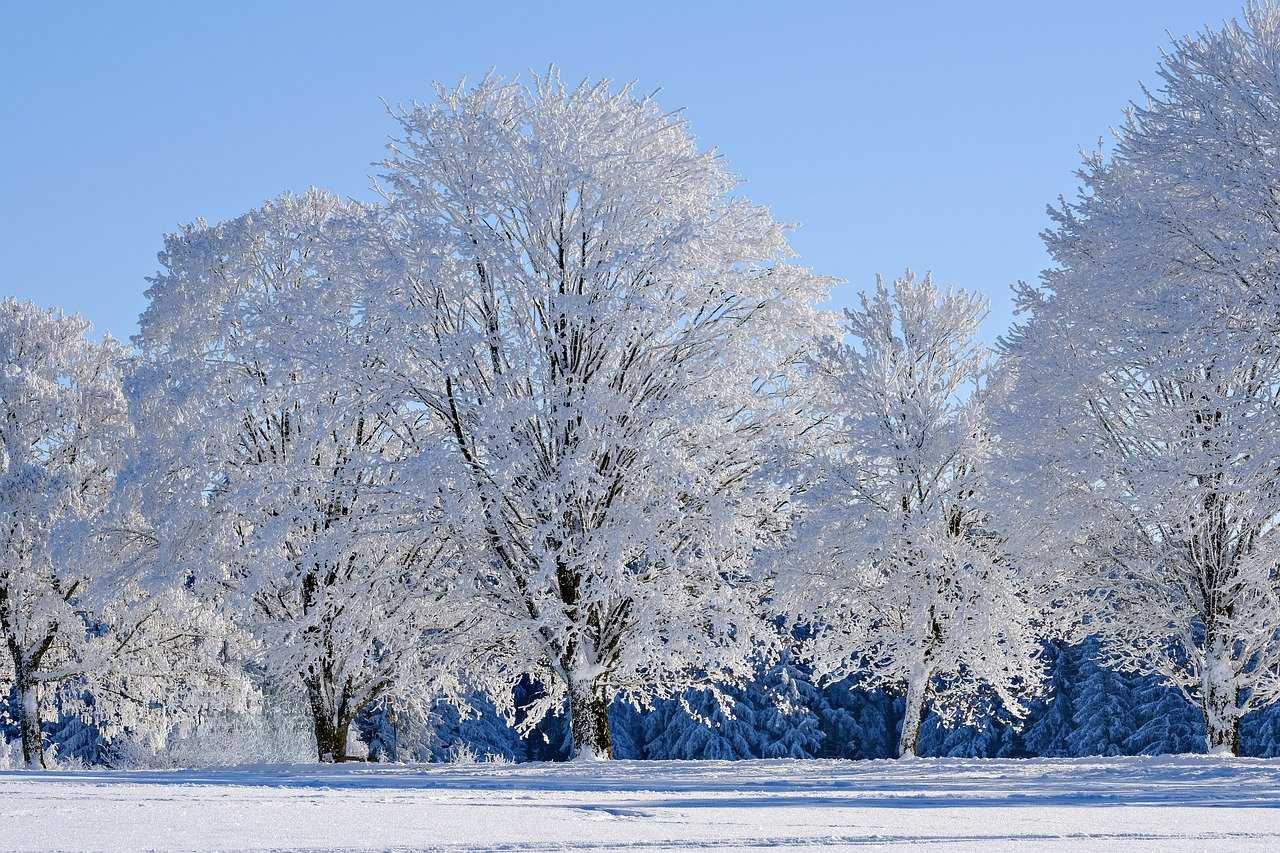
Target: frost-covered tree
[(162, 660), (78, 608), (271, 460), (62, 422), (1143, 435), (608, 339), (895, 561)]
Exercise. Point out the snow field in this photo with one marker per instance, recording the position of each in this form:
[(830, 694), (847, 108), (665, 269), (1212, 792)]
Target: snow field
[(1084, 804)]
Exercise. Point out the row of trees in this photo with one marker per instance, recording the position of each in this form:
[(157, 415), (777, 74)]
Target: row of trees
[(1088, 709), (559, 411), (787, 712)]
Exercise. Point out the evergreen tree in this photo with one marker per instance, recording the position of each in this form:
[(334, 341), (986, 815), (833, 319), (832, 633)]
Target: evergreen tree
[(1260, 733), (1102, 720), (655, 723), (857, 722), (478, 731), (9, 730), (1050, 721), (701, 728), (987, 737), (788, 711), (77, 740), (1165, 722), (391, 734), (549, 739), (627, 723)]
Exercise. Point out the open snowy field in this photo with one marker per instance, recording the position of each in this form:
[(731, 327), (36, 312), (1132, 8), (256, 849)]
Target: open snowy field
[(1179, 803)]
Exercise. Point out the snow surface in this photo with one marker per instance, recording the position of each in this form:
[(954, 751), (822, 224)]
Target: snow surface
[(1068, 804)]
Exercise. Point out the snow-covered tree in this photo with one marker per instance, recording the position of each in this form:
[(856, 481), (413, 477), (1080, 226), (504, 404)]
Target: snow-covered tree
[(858, 723), (628, 729), (473, 730), (1164, 721), (1094, 709), (704, 725), (895, 561), (161, 661), (987, 735), (62, 420), (1050, 717), (271, 460), (609, 339), (1102, 716), (787, 711), (1260, 733), (76, 607), (1143, 435)]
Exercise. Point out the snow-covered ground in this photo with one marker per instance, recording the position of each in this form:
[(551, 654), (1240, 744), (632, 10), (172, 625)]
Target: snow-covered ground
[(1180, 803)]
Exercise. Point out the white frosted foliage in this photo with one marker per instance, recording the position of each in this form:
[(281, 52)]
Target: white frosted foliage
[(895, 562), (1144, 426), (78, 609), (608, 339), (273, 465)]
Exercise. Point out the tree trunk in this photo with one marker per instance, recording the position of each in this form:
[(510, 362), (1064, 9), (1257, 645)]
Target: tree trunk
[(1221, 720), (589, 719), (29, 717), (913, 717), (330, 720), (1219, 698)]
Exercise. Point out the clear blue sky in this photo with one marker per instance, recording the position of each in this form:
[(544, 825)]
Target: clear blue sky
[(925, 134)]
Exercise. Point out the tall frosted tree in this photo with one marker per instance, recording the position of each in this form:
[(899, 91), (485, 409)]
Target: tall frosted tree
[(609, 339), (62, 424), (1144, 430), (80, 612), (895, 561), (272, 463)]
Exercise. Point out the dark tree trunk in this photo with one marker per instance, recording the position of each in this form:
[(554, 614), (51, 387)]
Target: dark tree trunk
[(29, 717), (330, 720), (589, 719), (1221, 721), (1225, 738), (28, 689)]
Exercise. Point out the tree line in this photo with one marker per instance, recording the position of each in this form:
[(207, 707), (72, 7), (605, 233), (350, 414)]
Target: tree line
[(556, 427)]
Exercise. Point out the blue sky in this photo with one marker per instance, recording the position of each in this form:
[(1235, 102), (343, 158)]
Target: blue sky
[(926, 134)]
